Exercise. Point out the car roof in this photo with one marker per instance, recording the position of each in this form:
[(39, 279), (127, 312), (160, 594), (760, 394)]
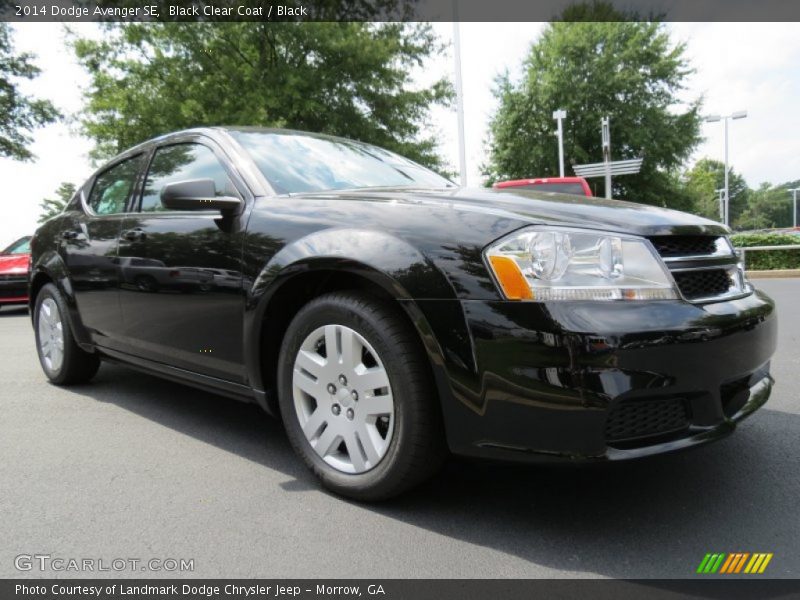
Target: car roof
[(215, 133)]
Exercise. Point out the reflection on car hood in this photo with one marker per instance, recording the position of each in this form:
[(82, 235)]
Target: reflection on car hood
[(537, 207)]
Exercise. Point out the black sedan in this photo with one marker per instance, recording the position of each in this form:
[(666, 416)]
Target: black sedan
[(390, 318)]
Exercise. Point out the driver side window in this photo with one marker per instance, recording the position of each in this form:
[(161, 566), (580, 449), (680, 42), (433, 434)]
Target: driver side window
[(113, 187), (182, 162)]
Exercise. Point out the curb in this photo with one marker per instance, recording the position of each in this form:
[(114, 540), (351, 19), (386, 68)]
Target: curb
[(774, 274)]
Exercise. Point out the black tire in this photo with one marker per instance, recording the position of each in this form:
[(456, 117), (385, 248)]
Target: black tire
[(417, 448), (77, 365), (146, 283)]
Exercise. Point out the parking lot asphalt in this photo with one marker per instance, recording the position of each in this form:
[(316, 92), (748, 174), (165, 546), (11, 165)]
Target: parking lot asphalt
[(130, 466)]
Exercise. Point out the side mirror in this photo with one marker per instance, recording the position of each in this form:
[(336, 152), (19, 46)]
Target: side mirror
[(197, 194)]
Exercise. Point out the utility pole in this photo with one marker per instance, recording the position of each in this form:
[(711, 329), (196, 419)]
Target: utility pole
[(606, 139), (559, 115), (721, 191)]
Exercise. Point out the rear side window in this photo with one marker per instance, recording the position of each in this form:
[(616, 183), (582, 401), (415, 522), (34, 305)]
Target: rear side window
[(114, 186), (183, 162)]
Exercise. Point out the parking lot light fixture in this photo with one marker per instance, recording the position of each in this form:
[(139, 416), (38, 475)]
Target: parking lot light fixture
[(739, 114)]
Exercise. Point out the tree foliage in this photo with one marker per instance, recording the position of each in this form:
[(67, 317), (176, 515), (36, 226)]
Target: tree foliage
[(768, 207), (53, 206), (19, 114), (351, 79), (702, 182), (627, 70)]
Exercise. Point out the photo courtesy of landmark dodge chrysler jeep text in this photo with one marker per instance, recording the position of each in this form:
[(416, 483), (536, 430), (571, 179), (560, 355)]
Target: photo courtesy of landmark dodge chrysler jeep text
[(389, 317)]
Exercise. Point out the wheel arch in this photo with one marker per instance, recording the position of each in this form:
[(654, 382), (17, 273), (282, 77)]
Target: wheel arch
[(50, 268), (301, 282)]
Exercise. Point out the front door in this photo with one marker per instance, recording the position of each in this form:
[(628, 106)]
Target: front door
[(88, 246), (180, 271)]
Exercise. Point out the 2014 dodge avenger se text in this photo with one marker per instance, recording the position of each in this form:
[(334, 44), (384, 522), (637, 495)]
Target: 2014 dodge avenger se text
[(390, 317)]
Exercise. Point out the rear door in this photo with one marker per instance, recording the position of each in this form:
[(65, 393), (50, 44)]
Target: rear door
[(176, 307)]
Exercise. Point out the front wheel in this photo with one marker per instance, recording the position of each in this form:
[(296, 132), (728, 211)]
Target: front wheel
[(61, 358), (357, 399)]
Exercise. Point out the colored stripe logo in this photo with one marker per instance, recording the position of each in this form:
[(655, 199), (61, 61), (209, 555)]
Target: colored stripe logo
[(736, 562)]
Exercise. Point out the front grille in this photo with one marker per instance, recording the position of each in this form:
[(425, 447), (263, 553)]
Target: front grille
[(703, 283), (637, 419), (704, 266), (671, 246)]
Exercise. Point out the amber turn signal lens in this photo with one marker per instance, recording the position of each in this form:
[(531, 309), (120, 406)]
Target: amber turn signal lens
[(511, 278)]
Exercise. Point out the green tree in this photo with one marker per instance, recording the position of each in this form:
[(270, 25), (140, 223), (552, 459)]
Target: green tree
[(768, 207), (351, 79), (19, 114), (53, 206), (702, 182), (627, 70)]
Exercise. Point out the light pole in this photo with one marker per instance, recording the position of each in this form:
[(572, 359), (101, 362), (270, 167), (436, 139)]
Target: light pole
[(605, 138), (559, 115), (739, 114), (721, 191), (462, 153), (794, 206)]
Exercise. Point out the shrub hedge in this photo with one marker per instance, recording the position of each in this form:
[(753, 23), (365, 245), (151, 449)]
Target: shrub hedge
[(765, 260)]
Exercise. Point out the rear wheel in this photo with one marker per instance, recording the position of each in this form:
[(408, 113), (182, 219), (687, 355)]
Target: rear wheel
[(357, 398), (146, 283), (61, 358)]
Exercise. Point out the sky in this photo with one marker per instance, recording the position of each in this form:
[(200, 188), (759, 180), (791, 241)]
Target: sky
[(739, 66)]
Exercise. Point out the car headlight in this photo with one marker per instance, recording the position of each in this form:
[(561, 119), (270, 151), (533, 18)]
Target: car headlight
[(548, 264)]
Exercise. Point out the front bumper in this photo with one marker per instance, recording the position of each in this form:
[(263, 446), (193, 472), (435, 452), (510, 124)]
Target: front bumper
[(599, 381), (13, 289)]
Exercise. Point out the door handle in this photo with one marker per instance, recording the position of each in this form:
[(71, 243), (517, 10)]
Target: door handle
[(69, 234), (133, 235)]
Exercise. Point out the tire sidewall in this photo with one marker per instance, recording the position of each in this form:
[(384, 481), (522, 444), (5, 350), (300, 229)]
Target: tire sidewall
[(331, 312)]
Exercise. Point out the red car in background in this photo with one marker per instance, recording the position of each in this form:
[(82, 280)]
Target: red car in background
[(563, 185), (15, 263)]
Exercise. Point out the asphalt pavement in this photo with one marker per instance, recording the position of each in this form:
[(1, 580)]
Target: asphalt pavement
[(133, 467)]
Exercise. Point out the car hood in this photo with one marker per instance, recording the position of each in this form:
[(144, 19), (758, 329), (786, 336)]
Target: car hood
[(536, 207), (14, 263)]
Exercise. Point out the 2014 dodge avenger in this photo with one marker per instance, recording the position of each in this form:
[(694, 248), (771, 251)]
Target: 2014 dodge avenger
[(389, 317)]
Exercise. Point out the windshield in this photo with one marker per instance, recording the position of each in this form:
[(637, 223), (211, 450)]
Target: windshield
[(21, 246), (294, 162)]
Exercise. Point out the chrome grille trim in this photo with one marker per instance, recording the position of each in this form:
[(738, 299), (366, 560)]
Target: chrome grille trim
[(722, 258)]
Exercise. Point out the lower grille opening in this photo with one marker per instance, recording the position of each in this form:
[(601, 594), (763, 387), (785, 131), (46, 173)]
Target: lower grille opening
[(703, 283), (637, 422)]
